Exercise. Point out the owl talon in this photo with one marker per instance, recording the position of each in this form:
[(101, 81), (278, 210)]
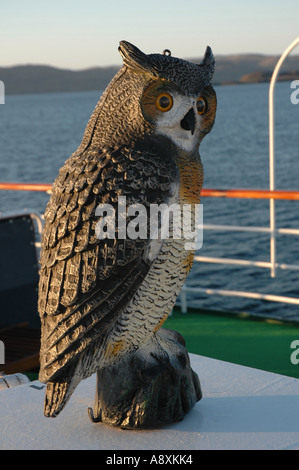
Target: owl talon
[(91, 416)]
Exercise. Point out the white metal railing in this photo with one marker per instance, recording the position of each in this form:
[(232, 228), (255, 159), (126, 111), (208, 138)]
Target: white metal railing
[(272, 229), (271, 152)]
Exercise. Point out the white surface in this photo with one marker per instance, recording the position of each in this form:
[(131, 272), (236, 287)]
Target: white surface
[(242, 408), (12, 380)]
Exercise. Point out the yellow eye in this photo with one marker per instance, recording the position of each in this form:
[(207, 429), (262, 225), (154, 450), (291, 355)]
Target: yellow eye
[(164, 102), (201, 105)]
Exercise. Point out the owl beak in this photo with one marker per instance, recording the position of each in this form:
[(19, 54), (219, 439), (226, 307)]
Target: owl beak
[(188, 122)]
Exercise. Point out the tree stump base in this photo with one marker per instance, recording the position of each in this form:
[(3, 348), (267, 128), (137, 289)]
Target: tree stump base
[(150, 387)]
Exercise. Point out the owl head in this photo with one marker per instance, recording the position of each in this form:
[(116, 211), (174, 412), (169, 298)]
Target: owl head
[(188, 77), (157, 94)]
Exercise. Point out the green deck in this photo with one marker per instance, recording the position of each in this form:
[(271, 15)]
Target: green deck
[(241, 339), (237, 338)]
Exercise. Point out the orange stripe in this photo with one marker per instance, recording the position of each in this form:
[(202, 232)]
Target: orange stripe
[(251, 194), (26, 186), (226, 193)]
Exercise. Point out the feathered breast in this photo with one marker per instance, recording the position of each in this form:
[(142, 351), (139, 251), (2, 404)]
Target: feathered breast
[(85, 282)]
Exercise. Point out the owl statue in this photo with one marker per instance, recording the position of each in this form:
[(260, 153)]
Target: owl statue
[(108, 280)]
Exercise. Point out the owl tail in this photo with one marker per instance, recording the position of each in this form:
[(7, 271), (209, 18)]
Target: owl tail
[(57, 396)]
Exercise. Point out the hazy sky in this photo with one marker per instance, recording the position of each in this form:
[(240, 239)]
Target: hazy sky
[(84, 33)]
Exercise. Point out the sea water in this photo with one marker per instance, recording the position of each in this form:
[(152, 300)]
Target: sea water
[(39, 132)]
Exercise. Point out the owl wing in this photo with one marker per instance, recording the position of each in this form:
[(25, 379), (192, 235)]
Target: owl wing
[(85, 282)]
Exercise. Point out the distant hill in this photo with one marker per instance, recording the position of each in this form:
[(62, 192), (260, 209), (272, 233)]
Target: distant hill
[(22, 79), (229, 69), (238, 68), (258, 77)]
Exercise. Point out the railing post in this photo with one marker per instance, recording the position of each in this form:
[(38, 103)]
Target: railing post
[(271, 155), (183, 297)]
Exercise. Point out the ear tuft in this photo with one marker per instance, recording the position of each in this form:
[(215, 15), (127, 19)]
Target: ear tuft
[(208, 60), (132, 56)]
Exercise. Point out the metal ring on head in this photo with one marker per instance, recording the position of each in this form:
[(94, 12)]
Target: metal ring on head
[(167, 52)]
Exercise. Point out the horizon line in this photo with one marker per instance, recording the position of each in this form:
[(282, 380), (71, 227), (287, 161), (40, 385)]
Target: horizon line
[(88, 67)]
